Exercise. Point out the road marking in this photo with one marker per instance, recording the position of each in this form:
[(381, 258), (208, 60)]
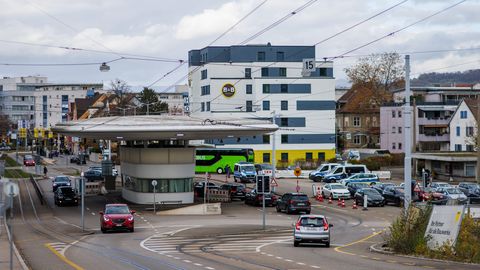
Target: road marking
[(314, 266), (300, 263), (198, 264), (187, 261), (209, 268), (337, 249), (63, 258)]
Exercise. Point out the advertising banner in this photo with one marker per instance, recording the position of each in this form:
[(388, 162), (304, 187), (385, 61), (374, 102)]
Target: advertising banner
[(444, 225)]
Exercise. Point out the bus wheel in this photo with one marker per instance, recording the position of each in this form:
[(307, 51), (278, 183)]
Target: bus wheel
[(219, 170)]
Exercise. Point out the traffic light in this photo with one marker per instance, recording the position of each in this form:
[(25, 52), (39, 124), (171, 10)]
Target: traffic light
[(263, 184)]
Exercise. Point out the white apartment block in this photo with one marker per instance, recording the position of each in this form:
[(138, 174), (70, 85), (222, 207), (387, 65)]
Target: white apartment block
[(463, 125), (260, 81)]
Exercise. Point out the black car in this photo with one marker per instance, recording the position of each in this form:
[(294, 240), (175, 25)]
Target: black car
[(60, 181), (254, 198), (237, 191), (353, 187), (374, 198), (394, 194), (65, 195), (294, 202), (79, 159), (93, 175), (380, 187), (199, 188), (471, 190)]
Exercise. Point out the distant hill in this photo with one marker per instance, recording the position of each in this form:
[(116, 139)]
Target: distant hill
[(448, 78)]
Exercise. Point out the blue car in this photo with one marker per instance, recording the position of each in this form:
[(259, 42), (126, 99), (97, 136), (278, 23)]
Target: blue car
[(244, 172), (361, 178), (319, 173)]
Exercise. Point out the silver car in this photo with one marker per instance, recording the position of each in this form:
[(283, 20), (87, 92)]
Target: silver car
[(311, 229)]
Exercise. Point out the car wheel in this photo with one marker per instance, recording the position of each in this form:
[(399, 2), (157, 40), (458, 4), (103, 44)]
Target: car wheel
[(327, 244), (287, 210), (103, 230), (219, 170), (307, 212), (235, 179), (246, 201), (296, 243), (132, 229)]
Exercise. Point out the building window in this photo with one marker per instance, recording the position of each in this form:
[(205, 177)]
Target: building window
[(470, 148), (399, 114), (266, 139), (249, 105), (248, 73), (208, 106), (266, 105), (394, 145), (458, 147), (393, 114), (321, 156), (458, 131), (463, 114), (202, 106), (264, 72), (356, 121), (309, 156), (284, 122), (283, 88), (280, 56), (284, 157), (284, 105), (203, 74), (260, 56), (469, 131), (399, 146), (394, 129), (266, 88), (249, 89), (356, 139), (205, 90), (470, 170), (399, 130), (266, 158), (284, 138), (282, 72)]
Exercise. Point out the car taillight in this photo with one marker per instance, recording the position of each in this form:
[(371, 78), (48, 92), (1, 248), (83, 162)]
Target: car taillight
[(290, 202), (308, 203), (297, 226), (325, 226)]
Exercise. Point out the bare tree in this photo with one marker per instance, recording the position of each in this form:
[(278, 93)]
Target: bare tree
[(122, 91)]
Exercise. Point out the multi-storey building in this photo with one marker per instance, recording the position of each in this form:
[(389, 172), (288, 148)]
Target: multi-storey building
[(265, 81), (43, 104)]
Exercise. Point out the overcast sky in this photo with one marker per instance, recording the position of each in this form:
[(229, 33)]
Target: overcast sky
[(169, 29)]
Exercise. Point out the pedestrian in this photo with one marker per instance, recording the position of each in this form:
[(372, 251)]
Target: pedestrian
[(45, 171), (227, 171)]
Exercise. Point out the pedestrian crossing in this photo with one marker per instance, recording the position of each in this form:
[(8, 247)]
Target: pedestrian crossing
[(235, 243), (60, 247)]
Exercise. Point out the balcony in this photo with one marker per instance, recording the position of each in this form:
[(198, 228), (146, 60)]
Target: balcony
[(433, 137), (433, 121)]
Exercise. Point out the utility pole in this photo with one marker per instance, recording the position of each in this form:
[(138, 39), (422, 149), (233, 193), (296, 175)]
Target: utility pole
[(407, 113), (477, 175), (274, 160)]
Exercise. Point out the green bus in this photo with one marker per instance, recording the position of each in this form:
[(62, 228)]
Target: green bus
[(214, 160)]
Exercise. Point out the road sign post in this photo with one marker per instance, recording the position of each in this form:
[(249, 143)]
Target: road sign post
[(82, 185), (154, 184), (11, 190)]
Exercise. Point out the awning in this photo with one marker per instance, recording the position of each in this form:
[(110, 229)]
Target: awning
[(435, 108)]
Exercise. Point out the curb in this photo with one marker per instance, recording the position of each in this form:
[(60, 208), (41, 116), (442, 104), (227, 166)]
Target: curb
[(374, 248)]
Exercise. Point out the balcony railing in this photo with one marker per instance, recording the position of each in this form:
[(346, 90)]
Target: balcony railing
[(433, 121), (433, 137)]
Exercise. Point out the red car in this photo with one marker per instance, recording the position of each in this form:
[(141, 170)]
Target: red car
[(117, 217), (28, 161)]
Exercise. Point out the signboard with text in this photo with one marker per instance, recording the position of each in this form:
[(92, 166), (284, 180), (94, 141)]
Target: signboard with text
[(444, 225)]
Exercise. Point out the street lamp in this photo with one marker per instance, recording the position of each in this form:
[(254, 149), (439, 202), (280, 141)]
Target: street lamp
[(104, 67)]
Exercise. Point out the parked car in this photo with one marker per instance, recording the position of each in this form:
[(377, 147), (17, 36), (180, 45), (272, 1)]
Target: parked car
[(99, 168), (343, 171), (336, 191), (431, 195), (5, 148), (199, 187), (436, 185), (61, 181), (28, 160), (469, 188), (264, 169), (294, 202), (360, 177), (453, 193), (353, 187), (374, 198), (93, 175), (237, 191), (312, 229), (254, 198), (79, 159), (244, 172), (318, 174), (394, 194), (65, 195), (380, 187), (117, 217)]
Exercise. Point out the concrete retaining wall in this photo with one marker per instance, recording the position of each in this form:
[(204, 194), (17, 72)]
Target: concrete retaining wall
[(200, 209)]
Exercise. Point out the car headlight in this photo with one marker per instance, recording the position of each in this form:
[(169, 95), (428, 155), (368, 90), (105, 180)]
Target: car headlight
[(130, 218), (54, 184), (105, 218), (69, 184)]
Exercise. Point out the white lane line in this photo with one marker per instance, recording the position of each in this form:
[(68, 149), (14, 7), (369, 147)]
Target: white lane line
[(288, 260), (88, 209), (176, 258), (280, 258), (300, 263), (187, 261), (198, 264), (209, 268), (314, 266), (93, 214)]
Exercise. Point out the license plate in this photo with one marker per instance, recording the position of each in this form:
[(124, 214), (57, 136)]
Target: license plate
[(119, 225), (300, 204), (311, 229)]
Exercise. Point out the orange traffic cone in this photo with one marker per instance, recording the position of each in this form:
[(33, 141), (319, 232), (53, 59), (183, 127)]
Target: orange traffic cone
[(354, 205), (343, 203), (339, 202), (320, 197), (330, 200)]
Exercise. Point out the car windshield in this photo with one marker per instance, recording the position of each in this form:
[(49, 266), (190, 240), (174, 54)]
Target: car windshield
[(311, 222), (250, 168), (337, 186), (453, 191), (360, 185), (472, 186), (370, 192), (400, 189), (120, 209), (266, 167), (300, 197), (67, 191), (62, 179), (324, 168)]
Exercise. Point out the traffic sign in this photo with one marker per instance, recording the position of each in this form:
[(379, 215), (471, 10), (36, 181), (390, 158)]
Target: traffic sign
[(274, 183), (309, 65), (10, 188), (154, 183), (297, 171)]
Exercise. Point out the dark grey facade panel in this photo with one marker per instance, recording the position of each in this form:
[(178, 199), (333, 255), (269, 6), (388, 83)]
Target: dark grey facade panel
[(240, 140), (301, 88), (322, 72), (291, 122), (309, 138), (315, 105)]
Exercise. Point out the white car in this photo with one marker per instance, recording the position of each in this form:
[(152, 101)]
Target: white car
[(336, 191), (453, 193)]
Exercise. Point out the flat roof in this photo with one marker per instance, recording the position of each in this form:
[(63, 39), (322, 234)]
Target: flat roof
[(163, 127)]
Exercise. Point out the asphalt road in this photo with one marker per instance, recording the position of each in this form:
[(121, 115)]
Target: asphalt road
[(50, 237)]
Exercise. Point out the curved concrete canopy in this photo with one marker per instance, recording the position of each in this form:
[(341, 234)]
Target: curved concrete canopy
[(163, 127)]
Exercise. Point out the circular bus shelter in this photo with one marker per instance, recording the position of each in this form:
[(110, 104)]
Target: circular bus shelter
[(153, 147)]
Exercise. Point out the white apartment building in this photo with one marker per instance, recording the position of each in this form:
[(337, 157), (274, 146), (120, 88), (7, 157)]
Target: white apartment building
[(463, 125), (260, 81), (43, 104)]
